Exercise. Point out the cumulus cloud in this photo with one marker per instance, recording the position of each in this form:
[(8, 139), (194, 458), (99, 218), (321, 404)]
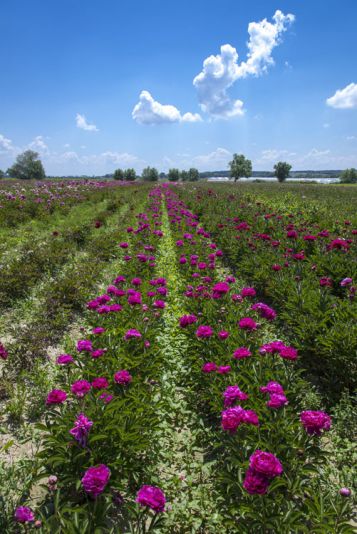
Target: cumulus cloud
[(6, 146), (345, 98), (82, 123), (215, 160), (274, 154), (39, 145), (149, 111), (220, 72)]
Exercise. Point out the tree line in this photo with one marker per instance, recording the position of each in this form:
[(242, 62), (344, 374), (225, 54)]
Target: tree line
[(28, 166)]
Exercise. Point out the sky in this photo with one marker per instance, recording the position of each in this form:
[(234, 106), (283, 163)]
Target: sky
[(93, 86)]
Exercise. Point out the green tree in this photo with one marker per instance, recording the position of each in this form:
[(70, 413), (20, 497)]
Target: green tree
[(2, 174), (193, 174), (281, 170), (240, 166), (130, 175), (185, 176), (150, 174), (349, 176), (118, 174), (173, 175), (27, 166)]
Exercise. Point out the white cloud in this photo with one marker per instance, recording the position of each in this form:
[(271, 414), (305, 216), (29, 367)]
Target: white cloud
[(351, 137), (149, 111), (345, 98), (315, 154), (273, 154), (39, 145), (6, 146), (216, 160), (67, 145), (82, 123), (220, 72)]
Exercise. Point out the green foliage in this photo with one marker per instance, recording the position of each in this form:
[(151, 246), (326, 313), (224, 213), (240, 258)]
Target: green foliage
[(150, 174), (130, 175), (119, 174), (240, 167), (349, 176), (27, 167), (2, 174), (193, 175), (281, 170), (173, 175)]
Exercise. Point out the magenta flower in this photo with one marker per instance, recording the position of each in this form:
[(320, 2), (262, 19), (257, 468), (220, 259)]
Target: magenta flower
[(186, 320), (64, 359), (106, 398), (84, 345), (132, 334), (255, 483), (97, 353), (223, 334), (288, 353), (345, 492), (56, 396), (80, 388), (315, 422), (232, 394), (209, 367), (241, 352), (272, 388), (247, 323), (264, 311), (220, 289), (3, 352), (248, 292), (100, 383), (23, 514), (151, 496), (134, 298), (81, 429), (266, 464), (277, 401), (95, 479), (346, 282), (123, 377), (159, 304), (233, 417), (98, 330), (224, 369), (204, 332)]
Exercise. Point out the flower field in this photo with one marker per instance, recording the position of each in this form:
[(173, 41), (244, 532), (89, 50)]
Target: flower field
[(177, 358)]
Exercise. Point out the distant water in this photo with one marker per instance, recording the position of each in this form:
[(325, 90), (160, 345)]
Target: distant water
[(270, 179)]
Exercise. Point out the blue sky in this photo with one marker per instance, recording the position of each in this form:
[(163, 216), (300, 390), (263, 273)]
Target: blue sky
[(71, 76)]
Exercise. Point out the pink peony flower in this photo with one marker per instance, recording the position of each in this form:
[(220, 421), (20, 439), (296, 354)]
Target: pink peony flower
[(272, 387), (232, 394), (186, 320), (123, 377), (315, 421), (223, 334), (209, 367), (56, 396), (80, 388), (232, 418), (84, 345), (264, 311), (98, 330), (224, 369), (288, 353), (204, 331), (255, 483), (346, 282), (247, 323), (97, 353), (248, 292), (241, 352), (3, 352), (277, 400), (100, 383), (266, 464), (151, 496), (81, 429), (95, 479), (23, 514), (64, 359), (132, 334)]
